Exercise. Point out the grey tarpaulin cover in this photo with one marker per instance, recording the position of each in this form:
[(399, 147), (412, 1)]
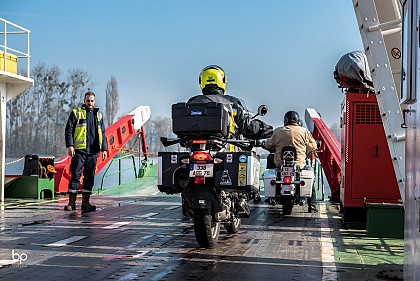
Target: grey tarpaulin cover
[(354, 65)]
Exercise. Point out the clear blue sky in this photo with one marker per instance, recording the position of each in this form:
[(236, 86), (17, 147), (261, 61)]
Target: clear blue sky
[(279, 53)]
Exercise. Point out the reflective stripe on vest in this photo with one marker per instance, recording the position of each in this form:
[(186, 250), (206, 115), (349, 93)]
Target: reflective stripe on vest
[(80, 130)]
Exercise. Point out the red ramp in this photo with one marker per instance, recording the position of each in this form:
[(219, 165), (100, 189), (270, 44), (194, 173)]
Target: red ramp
[(118, 134), (330, 152)]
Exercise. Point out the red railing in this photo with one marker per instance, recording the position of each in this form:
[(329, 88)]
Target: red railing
[(329, 153)]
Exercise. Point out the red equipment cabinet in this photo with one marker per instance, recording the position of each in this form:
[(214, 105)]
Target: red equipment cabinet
[(367, 174)]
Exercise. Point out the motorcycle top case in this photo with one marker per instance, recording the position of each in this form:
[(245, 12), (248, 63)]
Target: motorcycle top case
[(168, 162), (240, 172), (203, 119)]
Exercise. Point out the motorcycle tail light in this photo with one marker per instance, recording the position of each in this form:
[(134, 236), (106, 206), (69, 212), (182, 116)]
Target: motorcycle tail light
[(302, 183), (199, 180), (287, 180), (201, 156), (199, 141)]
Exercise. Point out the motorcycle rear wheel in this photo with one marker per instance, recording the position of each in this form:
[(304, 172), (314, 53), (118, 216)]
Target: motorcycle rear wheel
[(206, 231), (287, 208)]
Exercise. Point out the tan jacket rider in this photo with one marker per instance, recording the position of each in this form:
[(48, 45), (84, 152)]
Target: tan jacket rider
[(291, 134)]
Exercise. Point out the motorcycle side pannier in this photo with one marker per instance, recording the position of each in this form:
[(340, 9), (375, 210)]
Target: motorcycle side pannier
[(203, 119), (240, 172), (268, 176), (168, 163), (308, 177)]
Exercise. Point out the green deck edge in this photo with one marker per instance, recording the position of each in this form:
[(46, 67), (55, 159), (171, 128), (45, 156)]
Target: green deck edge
[(359, 257)]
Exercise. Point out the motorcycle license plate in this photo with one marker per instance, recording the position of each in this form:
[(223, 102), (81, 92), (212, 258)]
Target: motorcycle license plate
[(287, 172), (200, 170)]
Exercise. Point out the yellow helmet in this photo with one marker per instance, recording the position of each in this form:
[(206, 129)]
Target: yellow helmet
[(213, 75)]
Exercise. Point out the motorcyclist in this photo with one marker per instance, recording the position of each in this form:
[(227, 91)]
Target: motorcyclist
[(292, 133), (212, 82)]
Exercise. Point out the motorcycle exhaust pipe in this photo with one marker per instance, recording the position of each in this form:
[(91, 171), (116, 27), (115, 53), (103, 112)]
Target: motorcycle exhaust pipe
[(302, 201), (223, 215)]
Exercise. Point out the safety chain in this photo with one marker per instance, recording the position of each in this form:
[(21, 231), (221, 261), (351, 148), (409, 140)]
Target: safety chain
[(135, 141), (139, 152), (65, 159), (15, 161), (134, 144), (20, 159)]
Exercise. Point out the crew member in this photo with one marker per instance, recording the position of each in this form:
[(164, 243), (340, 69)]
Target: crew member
[(85, 139)]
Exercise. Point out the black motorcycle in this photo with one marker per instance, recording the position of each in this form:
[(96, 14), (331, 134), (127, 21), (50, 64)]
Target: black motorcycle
[(216, 175)]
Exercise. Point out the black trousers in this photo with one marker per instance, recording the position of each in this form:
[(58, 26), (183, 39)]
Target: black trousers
[(86, 164)]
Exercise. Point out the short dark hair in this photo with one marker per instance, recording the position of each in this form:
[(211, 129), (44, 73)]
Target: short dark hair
[(89, 93)]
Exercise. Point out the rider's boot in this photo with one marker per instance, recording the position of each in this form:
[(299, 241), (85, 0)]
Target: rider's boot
[(257, 198), (312, 209), (242, 208), (311, 202), (311, 206)]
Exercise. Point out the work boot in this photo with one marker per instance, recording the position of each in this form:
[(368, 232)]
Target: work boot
[(86, 206), (71, 206)]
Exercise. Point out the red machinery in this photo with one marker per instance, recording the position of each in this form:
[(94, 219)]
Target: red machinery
[(367, 174), (118, 134), (360, 170)]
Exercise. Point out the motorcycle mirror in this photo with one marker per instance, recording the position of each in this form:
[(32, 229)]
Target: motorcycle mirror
[(262, 110)]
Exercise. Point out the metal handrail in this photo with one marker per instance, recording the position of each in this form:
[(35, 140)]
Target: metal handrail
[(8, 50), (119, 169)]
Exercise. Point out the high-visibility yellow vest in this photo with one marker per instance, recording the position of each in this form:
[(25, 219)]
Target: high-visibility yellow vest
[(80, 131)]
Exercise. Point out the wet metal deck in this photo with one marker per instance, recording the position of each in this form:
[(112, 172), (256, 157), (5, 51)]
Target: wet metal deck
[(148, 238)]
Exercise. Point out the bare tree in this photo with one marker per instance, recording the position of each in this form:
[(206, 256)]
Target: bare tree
[(112, 99), (17, 115), (37, 117), (79, 81), (155, 129)]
